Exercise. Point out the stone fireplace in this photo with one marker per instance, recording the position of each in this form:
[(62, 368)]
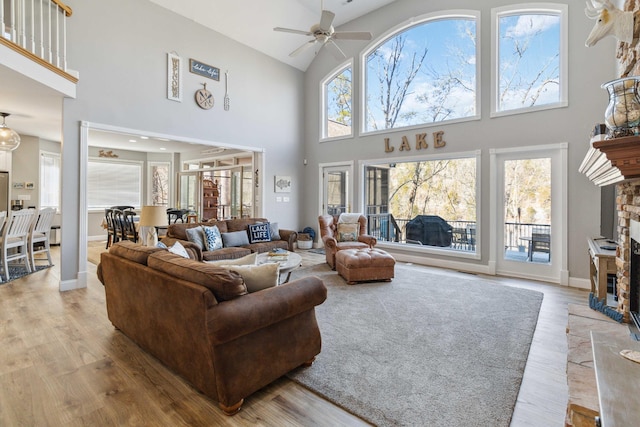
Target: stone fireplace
[(634, 272), (628, 251)]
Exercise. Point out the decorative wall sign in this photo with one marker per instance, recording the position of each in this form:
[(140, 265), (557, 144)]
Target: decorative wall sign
[(174, 77), (18, 185), (421, 142), (283, 184), (202, 69), (204, 98), (29, 185)]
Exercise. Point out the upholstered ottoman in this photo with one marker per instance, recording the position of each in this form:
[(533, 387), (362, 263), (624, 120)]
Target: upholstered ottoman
[(361, 265)]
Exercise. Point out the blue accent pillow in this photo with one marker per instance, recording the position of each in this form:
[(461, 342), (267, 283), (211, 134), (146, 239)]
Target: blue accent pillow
[(196, 235), (212, 238), (260, 233)]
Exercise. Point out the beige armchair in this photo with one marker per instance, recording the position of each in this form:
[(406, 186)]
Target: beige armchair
[(329, 232)]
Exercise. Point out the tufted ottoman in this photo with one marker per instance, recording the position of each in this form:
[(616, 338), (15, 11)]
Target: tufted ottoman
[(361, 265)]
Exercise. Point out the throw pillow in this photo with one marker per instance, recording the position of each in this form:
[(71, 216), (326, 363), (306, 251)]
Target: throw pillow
[(212, 238), (347, 232), (161, 245), (196, 236), (275, 231), (235, 238), (178, 249), (256, 277), (259, 233), (245, 260)]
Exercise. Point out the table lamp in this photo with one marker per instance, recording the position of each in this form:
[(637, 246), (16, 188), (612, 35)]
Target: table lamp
[(150, 218)]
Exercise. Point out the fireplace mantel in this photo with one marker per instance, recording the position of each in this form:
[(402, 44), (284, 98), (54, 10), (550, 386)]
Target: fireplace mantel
[(612, 160)]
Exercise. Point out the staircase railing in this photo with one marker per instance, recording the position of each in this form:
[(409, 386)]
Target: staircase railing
[(38, 27)]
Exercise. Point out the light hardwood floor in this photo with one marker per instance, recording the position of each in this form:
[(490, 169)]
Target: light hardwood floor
[(62, 363)]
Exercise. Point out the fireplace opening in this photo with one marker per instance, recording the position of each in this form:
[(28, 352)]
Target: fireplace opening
[(634, 283)]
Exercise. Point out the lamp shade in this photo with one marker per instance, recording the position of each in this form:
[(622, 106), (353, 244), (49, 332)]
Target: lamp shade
[(9, 138), (153, 216)]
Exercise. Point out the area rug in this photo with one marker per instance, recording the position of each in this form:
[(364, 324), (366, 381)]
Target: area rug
[(425, 349), (18, 271)]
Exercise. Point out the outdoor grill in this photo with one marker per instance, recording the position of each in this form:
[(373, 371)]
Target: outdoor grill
[(429, 230)]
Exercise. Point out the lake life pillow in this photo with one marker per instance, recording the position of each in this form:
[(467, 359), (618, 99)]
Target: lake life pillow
[(235, 238), (212, 238), (196, 235), (347, 232), (259, 233)]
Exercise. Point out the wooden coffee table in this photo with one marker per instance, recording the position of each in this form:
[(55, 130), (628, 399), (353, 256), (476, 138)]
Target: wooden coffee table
[(286, 267)]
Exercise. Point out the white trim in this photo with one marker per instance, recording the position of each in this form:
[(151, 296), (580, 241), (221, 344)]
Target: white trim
[(323, 101), (83, 217), (411, 22), (562, 10)]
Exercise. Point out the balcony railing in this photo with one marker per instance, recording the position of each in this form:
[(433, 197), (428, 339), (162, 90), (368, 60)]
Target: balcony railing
[(38, 27)]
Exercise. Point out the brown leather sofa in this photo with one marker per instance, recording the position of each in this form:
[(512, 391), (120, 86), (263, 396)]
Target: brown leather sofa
[(328, 232), (178, 232), (199, 320)]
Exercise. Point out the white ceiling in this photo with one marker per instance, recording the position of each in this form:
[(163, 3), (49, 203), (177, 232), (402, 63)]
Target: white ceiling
[(251, 22), (36, 110)]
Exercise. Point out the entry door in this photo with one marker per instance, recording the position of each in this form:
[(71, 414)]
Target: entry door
[(336, 194), (530, 212)]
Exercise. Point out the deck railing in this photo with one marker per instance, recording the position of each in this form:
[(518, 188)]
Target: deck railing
[(38, 27)]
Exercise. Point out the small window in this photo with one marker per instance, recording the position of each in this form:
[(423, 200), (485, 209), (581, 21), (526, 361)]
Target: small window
[(111, 183), (337, 91), (530, 61), (50, 180)]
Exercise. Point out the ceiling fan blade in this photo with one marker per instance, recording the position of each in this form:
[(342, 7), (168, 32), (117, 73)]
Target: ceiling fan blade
[(304, 47), (352, 35), (326, 20), (290, 30), (335, 50)]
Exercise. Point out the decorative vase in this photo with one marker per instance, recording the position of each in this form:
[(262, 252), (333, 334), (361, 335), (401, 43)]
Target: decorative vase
[(622, 115)]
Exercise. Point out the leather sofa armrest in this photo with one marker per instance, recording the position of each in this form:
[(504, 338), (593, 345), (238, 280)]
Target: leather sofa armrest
[(290, 237), (369, 240), (193, 250), (330, 242), (243, 315)]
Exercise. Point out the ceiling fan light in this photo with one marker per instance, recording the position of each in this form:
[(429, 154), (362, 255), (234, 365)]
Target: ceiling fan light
[(9, 138)]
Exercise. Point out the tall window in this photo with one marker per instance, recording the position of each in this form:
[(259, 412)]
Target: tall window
[(430, 202), (112, 183), (422, 74), (530, 61), (158, 179), (49, 180), (338, 110)]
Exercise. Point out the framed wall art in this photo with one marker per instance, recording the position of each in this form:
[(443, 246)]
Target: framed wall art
[(282, 184), (174, 77), (205, 70)]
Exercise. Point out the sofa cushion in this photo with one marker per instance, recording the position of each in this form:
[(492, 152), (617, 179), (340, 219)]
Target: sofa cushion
[(256, 277), (196, 235), (223, 283), (133, 251), (245, 260), (212, 237), (259, 233), (235, 238)]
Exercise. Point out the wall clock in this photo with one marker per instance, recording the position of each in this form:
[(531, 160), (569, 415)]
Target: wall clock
[(204, 98)]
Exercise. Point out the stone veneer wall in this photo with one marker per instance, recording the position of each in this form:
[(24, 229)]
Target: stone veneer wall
[(627, 193)]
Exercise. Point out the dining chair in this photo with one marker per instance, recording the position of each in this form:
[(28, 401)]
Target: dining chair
[(128, 231), (14, 240), (112, 229), (175, 215), (39, 235)]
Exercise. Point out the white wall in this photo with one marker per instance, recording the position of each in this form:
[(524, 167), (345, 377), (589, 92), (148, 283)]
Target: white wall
[(119, 48), (588, 69)]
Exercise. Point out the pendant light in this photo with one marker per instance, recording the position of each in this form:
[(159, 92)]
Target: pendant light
[(9, 138)]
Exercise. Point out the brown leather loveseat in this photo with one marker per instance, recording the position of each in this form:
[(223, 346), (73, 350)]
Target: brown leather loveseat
[(199, 320), (178, 231)]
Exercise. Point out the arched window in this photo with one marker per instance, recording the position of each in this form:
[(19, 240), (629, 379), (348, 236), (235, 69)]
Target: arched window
[(421, 73), (337, 95), (529, 58)]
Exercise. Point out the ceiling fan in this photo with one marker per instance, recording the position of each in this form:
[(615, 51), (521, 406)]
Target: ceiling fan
[(323, 33)]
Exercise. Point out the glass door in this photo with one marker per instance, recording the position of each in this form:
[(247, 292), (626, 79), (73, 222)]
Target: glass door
[(189, 191), (336, 197)]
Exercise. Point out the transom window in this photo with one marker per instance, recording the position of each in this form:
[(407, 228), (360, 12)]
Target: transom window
[(423, 73), (530, 62), (337, 92)]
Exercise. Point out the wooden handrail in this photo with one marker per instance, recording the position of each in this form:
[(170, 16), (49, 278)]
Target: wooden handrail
[(67, 9)]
